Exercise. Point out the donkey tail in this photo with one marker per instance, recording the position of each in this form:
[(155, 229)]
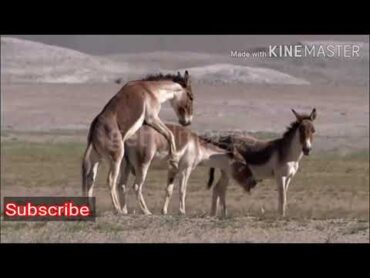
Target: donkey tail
[(211, 177)]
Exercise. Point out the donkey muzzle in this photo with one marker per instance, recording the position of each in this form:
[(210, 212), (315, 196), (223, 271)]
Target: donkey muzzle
[(306, 151), (184, 122)]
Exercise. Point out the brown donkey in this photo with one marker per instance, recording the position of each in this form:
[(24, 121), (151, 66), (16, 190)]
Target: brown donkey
[(137, 102), (278, 158), (147, 144)]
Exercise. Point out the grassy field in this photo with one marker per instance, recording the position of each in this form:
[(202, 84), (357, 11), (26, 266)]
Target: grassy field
[(327, 201)]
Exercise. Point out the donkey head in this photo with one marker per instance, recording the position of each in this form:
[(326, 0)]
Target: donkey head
[(306, 130), (183, 104), (240, 170)]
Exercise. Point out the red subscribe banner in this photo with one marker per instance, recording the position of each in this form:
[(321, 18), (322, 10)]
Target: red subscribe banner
[(49, 209)]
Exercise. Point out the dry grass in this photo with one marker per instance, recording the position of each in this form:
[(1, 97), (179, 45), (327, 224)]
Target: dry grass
[(327, 187), (154, 229)]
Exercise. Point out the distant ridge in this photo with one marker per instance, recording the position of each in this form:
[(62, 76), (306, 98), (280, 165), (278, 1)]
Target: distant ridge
[(24, 61), (28, 61), (229, 73)]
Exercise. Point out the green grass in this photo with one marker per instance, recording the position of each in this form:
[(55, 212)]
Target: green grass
[(40, 164), (332, 155)]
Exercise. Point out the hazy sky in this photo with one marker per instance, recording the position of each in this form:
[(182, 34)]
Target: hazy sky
[(109, 44)]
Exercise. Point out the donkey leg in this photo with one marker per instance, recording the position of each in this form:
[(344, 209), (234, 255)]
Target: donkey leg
[(224, 180), (184, 178), (169, 189), (91, 179), (112, 180), (281, 181), (125, 173), (138, 186), (285, 191), (113, 172), (90, 167), (159, 126), (90, 164), (215, 200), (115, 165), (287, 182)]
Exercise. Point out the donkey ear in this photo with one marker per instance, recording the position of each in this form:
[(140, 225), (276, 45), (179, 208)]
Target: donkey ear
[(297, 115), (313, 114), (187, 77), (178, 74)]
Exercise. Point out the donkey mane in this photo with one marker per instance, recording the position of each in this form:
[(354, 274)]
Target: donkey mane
[(253, 150), (212, 144), (290, 129), (223, 142), (169, 77), (282, 144)]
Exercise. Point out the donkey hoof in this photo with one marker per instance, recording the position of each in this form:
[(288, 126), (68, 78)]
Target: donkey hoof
[(118, 212), (124, 211), (147, 212)]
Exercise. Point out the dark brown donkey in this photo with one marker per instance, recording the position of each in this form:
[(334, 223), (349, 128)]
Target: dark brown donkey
[(278, 158), (138, 102)]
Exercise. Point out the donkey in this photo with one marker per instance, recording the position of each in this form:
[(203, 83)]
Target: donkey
[(147, 144), (278, 158), (137, 103)]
